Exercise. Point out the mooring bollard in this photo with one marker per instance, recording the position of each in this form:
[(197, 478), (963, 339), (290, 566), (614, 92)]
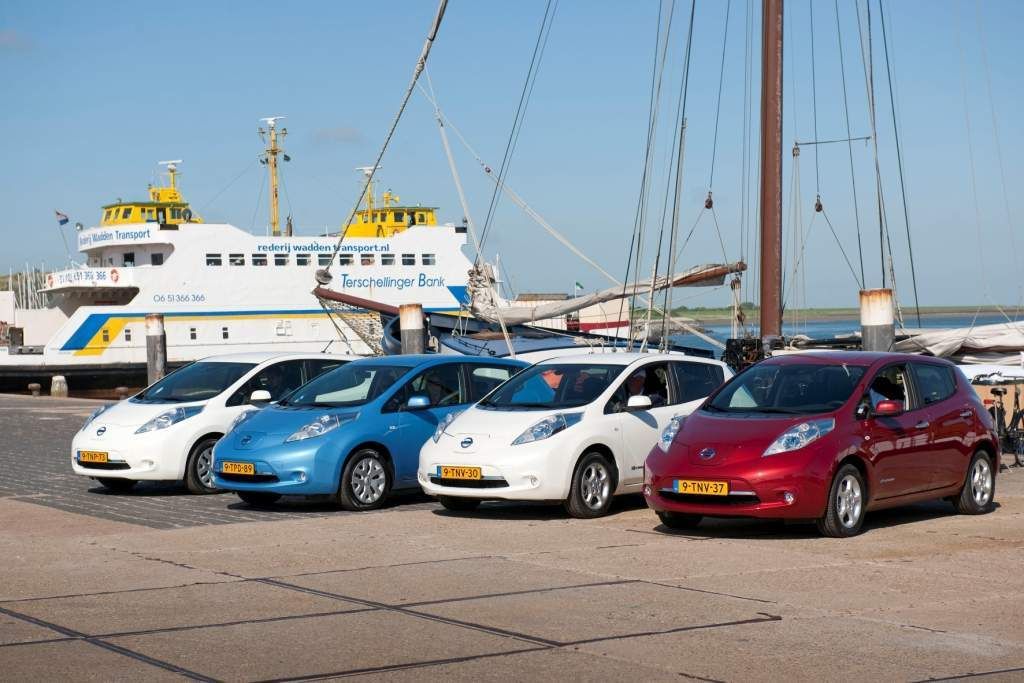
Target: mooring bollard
[(410, 317), (876, 320), (35, 388), (59, 387), (156, 347)]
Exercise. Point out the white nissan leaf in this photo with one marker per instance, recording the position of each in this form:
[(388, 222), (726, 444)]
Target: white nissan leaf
[(574, 429), (167, 431)]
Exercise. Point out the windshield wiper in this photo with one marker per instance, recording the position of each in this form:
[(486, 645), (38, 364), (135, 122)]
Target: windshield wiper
[(782, 411)]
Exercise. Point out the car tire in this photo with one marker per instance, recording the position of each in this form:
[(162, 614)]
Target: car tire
[(979, 487), (199, 468), (116, 484), (844, 512), (593, 484), (456, 504), (365, 481), (679, 521), (258, 498)]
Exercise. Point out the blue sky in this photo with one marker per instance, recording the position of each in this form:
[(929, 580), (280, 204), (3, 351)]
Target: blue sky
[(96, 93)]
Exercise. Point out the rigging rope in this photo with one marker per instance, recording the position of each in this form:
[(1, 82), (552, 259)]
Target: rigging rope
[(814, 102), (513, 136), (899, 161), (849, 146), (224, 189), (718, 105)]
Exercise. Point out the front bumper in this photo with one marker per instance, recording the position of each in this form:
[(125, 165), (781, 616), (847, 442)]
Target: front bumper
[(156, 456), (299, 468), (756, 488), (538, 471)]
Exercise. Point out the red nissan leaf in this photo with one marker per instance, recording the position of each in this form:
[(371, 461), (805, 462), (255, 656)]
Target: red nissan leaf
[(827, 437)]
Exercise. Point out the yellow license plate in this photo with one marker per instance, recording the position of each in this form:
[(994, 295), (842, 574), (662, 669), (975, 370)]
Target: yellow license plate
[(238, 468), (450, 472), (93, 456), (701, 488)]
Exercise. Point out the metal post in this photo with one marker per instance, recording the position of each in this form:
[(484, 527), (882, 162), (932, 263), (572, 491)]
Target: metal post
[(876, 319), (59, 387), (156, 347), (771, 169), (410, 318)]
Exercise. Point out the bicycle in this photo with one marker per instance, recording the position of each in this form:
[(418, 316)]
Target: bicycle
[(1011, 435)]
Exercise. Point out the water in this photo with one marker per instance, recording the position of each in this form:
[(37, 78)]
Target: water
[(824, 328)]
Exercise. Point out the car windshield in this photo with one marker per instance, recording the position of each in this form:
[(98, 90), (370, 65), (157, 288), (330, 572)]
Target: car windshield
[(350, 385), (552, 386), (797, 389), (196, 382)]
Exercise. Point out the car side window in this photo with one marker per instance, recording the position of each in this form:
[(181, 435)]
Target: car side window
[(318, 366), (441, 385), (695, 380), (484, 378), (278, 379), (650, 380), (934, 382), (890, 384)]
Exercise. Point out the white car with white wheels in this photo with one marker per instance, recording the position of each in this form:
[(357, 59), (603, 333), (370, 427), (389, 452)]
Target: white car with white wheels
[(573, 429), (167, 431)]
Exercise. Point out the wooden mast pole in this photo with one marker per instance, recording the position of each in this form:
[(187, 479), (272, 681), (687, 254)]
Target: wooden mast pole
[(771, 169)]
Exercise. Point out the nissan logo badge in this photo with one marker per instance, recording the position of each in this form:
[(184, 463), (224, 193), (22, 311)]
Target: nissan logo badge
[(101, 431), (706, 453), (246, 440), (467, 442)]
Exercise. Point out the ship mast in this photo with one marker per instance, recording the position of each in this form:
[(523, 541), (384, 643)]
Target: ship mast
[(270, 159), (771, 169)]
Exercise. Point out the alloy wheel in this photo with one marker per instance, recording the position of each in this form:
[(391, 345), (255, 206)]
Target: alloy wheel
[(368, 480), (849, 501), (204, 467), (595, 485), (981, 482)]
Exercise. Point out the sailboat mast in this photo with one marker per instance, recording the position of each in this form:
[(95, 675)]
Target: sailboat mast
[(270, 159), (771, 169)]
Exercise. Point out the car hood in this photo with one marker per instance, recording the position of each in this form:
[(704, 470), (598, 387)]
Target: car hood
[(273, 424), (484, 425), (132, 414), (711, 439)]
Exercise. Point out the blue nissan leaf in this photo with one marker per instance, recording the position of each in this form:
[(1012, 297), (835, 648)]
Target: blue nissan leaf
[(354, 432)]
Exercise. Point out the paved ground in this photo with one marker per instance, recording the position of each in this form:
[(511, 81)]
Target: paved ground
[(164, 585)]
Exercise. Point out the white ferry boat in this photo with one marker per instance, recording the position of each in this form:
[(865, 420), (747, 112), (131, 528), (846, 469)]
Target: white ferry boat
[(222, 289)]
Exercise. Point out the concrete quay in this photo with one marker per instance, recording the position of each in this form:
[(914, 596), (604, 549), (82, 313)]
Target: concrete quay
[(158, 584)]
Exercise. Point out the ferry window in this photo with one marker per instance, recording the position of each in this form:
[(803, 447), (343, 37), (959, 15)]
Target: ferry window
[(223, 333), (127, 212), (429, 259), (366, 218), (376, 216), (213, 259), (408, 259), (399, 216), (236, 259), (259, 259), (344, 259), (106, 215), (127, 334), (302, 259), (367, 259), (128, 259), (156, 259), (192, 333), (176, 213), (280, 259), (150, 214), (420, 218), (323, 259), (106, 334), (387, 259)]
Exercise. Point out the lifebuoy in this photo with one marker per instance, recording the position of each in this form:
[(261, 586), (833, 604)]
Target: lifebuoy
[(114, 275)]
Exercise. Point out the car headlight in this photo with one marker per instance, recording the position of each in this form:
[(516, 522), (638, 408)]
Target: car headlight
[(443, 424), (165, 420), (668, 434), (96, 413), (320, 426), (547, 427), (798, 436), (242, 417)]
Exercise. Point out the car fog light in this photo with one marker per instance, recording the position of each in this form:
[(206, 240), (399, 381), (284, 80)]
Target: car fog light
[(300, 476), (534, 481), (647, 489), (788, 497), (422, 478)]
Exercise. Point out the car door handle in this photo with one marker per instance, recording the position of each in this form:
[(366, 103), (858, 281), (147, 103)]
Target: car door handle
[(967, 413), (923, 424)]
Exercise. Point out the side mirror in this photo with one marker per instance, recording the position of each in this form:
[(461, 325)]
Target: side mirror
[(417, 403), (260, 396), (638, 403), (888, 408)]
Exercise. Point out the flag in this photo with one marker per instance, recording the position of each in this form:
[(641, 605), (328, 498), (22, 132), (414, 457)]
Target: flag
[(62, 218), (579, 286)]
